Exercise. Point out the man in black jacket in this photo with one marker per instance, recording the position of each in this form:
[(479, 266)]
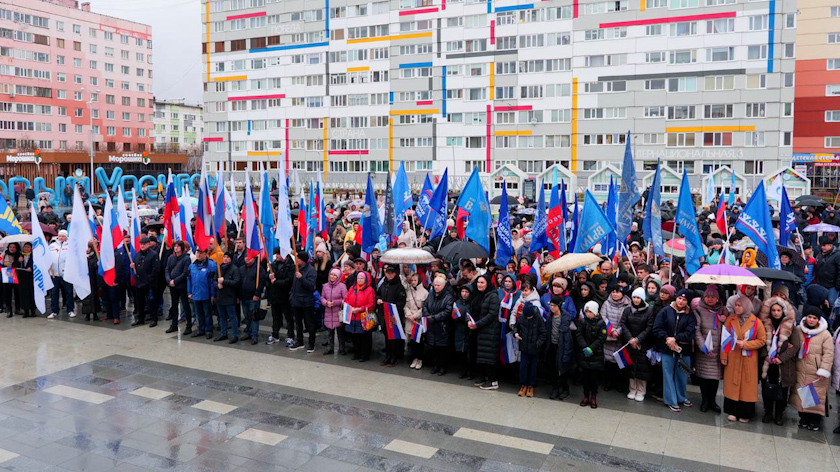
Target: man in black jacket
[(391, 291), (177, 271), (145, 267), (302, 299), (281, 276), (226, 298), (254, 280), (827, 268)]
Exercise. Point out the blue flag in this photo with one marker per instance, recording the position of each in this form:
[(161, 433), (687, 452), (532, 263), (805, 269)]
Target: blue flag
[(609, 245), (539, 240), (686, 220), (8, 222), (389, 226), (594, 225), (437, 206), (422, 210), (565, 211), (756, 224), (575, 224), (652, 225), (731, 202), (473, 202), (504, 240), (628, 194), (787, 219), (371, 228), (267, 215), (402, 199)]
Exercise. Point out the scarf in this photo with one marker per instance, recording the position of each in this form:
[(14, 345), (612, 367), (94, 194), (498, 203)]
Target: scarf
[(806, 344)]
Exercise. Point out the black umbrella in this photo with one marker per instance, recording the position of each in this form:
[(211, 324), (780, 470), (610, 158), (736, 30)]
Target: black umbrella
[(498, 200), (795, 257), (458, 250), (766, 273)]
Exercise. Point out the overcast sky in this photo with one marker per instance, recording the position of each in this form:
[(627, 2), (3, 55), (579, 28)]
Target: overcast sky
[(176, 34)]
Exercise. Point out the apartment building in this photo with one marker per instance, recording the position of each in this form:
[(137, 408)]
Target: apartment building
[(513, 88), (178, 127)]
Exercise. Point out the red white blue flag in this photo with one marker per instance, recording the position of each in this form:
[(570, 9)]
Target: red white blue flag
[(456, 313), (171, 213), (622, 357), (708, 344), (418, 329), (507, 354), (727, 340), (748, 336), (346, 313), (393, 326), (111, 239)]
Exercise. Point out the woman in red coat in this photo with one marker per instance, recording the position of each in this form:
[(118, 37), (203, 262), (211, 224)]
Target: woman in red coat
[(361, 299)]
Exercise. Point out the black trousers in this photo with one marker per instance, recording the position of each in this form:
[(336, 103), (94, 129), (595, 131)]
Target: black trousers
[(305, 316), (487, 371), (557, 380), (776, 407), (26, 290), (589, 379), (416, 350), (179, 298), (9, 291), (812, 419), (111, 300), (141, 304), (363, 343), (440, 356), (708, 390), (279, 312)]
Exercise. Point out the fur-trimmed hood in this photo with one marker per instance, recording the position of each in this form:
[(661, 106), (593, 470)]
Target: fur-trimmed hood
[(815, 331), (788, 321)]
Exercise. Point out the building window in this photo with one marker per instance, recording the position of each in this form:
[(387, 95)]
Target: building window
[(754, 138), (832, 141), (754, 167), (717, 139)]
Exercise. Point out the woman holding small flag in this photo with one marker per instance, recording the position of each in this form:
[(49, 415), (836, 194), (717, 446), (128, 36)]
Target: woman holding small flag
[(461, 333), (813, 368), (332, 296), (390, 294), (710, 315), (361, 299), (636, 338), (778, 373), (438, 314), (590, 336), (415, 296), (611, 311), (674, 329), (740, 383), (484, 309)]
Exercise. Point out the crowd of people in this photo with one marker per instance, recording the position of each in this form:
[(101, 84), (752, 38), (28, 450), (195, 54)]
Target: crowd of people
[(629, 324)]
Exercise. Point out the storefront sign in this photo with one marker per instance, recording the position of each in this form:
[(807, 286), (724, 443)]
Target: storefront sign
[(685, 154), (24, 157), (130, 158)]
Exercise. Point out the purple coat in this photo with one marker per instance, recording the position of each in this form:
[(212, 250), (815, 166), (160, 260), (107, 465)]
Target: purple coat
[(335, 293)]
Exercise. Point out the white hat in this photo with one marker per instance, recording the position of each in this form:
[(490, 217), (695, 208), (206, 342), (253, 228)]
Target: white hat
[(592, 306), (62, 232), (639, 293)]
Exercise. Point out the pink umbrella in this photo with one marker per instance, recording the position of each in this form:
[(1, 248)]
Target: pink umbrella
[(675, 247), (725, 275)]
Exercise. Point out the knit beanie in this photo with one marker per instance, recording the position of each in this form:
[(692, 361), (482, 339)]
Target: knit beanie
[(670, 289), (711, 291), (592, 306), (639, 293)]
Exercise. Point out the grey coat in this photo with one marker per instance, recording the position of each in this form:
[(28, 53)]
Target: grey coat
[(708, 367)]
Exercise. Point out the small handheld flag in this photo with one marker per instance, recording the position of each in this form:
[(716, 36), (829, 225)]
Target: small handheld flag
[(806, 345), (456, 313), (727, 341), (346, 313), (774, 347), (748, 336), (708, 345), (809, 396), (393, 326), (609, 328), (470, 319), (507, 353), (622, 357), (418, 329), (9, 275)]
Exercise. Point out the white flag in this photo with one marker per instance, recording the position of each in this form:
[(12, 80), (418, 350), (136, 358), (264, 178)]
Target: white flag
[(76, 268), (122, 212), (41, 261), (283, 232), (231, 205)]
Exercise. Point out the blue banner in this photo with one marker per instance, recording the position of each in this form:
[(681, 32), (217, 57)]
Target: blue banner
[(504, 240), (628, 194), (652, 225), (756, 224), (686, 221), (594, 225)]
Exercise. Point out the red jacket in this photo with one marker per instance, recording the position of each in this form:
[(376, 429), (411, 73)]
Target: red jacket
[(361, 298)]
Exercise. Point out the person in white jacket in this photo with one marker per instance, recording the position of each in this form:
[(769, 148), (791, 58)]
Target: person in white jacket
[(59, 249)]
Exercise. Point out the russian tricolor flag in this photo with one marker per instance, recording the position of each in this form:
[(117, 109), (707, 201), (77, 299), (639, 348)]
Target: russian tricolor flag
[(809, 396), (456, 313), (727, 340), (253, 244), (219, 205), (609, 328), (622, 357), (393, 326), (418, 329), (346, 313), (186, 216), (111, 239), (507, 353), (171, 210), (204, 212), (774, 347), (748, 337), (708, 344), (535, 270)]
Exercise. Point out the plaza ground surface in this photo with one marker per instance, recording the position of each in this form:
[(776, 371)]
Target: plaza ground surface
[(80, 396)]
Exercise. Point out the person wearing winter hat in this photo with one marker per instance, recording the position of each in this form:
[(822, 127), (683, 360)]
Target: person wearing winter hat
[(652, 287), (332, 299), (813, 366), (561, 349), (611, 311), (710, 315), (778, 373), (531, 332), (827, 268), (674, 329), (636, 334), (590, 336)]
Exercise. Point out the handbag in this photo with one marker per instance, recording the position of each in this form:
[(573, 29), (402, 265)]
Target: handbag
[(369, 320), (258, 314), (771, 391), (683, 365)]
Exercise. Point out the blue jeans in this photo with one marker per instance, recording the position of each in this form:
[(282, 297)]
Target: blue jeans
[(228, 313), (832, 296), (204, 315), (66, 290), (673, 379), (528, 369), (253, 325)]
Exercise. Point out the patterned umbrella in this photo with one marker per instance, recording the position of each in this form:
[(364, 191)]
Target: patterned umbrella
[(723, 274)]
